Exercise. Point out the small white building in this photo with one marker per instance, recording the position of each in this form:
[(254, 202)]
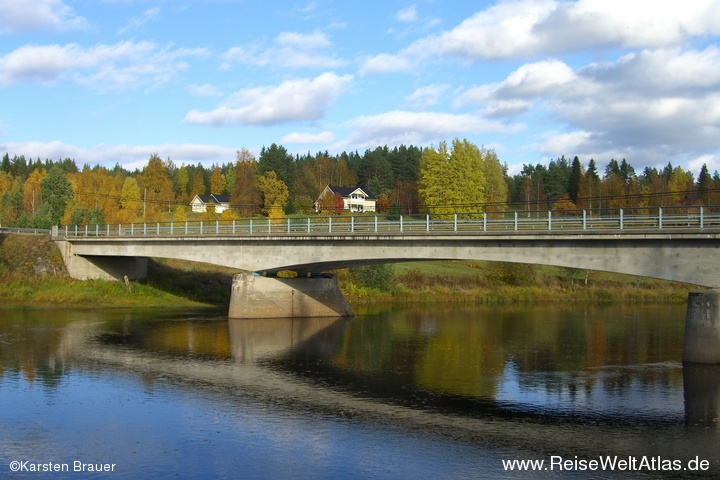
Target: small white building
[(201, 203), (356, 199)]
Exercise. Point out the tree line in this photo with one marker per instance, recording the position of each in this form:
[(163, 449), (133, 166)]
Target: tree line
[(405, 179)]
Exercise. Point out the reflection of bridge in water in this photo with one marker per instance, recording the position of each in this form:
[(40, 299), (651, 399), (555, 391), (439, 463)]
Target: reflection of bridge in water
[(672, 244), (256, 347)]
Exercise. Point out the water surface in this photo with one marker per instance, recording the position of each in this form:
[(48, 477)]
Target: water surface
[(433, 392)]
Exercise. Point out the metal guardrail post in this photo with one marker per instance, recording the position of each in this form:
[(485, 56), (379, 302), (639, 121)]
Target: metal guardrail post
[(455, 222), (308, 224), (186, 225), (549, 220), (269, 225), (144, 228), (376, 224), (172, 228), (97, 230), (119, 229), (217, 227), (622, 223), (86, 230), (702, 220), (201, 227), (659, 218), (76, 230), (132, 229), (401, 223), (108, 229), (233, 227), (427, 222), (329, 224), (251, 229), (157, 230), (584, 219), (516, 221), (484, 221), (352, 224)]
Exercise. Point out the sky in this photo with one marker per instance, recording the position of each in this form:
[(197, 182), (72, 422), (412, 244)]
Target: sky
[(115, 81)]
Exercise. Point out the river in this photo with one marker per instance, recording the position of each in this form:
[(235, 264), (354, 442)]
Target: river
[(439, 392)]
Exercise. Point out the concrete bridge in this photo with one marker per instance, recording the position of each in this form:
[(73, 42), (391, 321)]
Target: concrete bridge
[(677, 245)]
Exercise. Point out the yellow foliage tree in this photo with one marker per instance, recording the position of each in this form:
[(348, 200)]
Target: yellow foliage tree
[(275, 194)]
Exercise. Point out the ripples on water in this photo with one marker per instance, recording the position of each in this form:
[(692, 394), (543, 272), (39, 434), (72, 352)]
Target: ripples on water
[(403, 393)]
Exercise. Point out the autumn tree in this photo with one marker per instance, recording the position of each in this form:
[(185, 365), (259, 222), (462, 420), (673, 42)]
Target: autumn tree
[(496, 188), (197, 185), (181, 182), (246, 196), (130, 197), (157, 188), (32, 201), (217, 181), (275, 194), (452, 181)]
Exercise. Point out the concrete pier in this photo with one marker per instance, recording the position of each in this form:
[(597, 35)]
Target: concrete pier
[(255, 296), (702, 327)]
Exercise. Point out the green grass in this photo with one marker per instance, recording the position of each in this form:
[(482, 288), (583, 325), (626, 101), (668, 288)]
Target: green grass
[(502, 283)]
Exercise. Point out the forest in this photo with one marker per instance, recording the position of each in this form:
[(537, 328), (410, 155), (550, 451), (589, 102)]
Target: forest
[(405, 179)]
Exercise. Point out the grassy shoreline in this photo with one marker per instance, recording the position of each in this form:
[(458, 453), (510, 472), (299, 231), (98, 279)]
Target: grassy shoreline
[(32, 275)]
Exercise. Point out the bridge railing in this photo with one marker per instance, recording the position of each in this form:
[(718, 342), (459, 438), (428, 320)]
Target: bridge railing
[(655, 218)]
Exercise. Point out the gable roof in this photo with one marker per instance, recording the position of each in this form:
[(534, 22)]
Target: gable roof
[(346, 191), (213, 198)]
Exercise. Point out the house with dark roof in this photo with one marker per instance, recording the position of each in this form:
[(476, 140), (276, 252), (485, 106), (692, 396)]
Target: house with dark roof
[(355, 199), (201, 203)]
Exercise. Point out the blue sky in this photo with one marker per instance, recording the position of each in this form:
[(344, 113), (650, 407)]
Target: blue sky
[(114, 81)]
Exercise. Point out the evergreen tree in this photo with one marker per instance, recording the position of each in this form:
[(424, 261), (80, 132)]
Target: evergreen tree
[(704, 184), (56, 192), (575, 179)]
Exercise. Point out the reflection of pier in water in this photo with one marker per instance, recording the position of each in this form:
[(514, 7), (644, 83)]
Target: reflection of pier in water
[(257, 345)]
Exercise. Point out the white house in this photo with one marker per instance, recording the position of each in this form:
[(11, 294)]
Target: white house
[(355, 199), (200, 203)]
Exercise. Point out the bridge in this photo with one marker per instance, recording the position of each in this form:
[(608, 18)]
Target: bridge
[(678, 244)]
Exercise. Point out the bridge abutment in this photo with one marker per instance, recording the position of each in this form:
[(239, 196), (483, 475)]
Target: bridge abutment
[(702, 328), (101, 267), (255, 296)]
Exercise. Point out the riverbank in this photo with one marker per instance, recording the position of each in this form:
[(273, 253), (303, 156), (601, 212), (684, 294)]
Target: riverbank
[(32, 274), (496, 283)]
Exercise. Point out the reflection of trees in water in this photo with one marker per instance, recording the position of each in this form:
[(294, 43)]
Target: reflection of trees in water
[(454, 350), (465, 351)]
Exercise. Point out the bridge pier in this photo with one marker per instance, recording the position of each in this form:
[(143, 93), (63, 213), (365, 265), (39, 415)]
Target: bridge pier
[(702, 327), (255, 296)]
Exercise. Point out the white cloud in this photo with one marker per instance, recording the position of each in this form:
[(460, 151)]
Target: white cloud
[(288, 50), (408, 14), (427, 96), (205, 90), (415, 128), (292, 100), (23, 16), (530, 28), (128, 156), (125, 64), (652, 106), (136, 22), (385, 63), (308, 138)]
